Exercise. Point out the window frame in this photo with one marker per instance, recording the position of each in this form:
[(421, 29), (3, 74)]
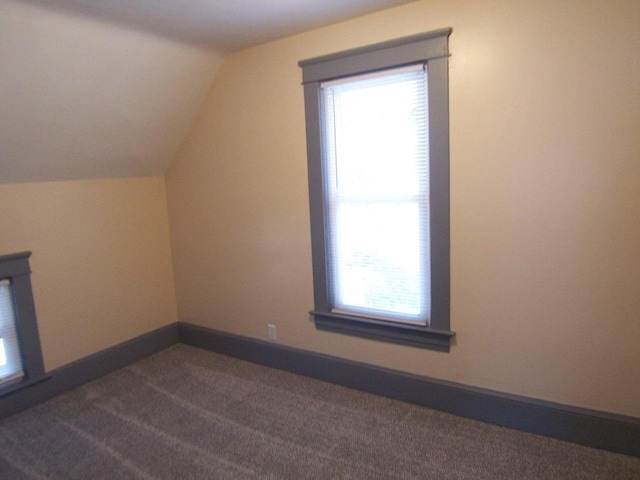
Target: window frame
[(15, 267), (431, 49)]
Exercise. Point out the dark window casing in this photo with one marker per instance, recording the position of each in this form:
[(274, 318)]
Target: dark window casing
[(16, 268), (431, 49)]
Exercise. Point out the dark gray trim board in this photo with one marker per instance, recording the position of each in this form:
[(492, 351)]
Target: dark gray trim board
[(401, 51), (611, 432), (431, 52), (89, 368), (379, 330)]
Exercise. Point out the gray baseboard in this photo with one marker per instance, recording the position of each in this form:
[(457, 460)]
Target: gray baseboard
[(615, 433), (87, 369)]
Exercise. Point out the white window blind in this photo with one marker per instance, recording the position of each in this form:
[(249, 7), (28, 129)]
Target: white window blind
[(376, 194), (10, 359)]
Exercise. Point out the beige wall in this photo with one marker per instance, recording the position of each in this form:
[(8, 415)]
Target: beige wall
[(101, 260), (545, 185)]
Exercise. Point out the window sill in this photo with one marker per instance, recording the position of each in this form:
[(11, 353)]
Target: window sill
[(402, 334)]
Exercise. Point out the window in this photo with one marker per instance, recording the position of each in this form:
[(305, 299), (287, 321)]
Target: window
[(378, 160), (10, 361), (20, 355)]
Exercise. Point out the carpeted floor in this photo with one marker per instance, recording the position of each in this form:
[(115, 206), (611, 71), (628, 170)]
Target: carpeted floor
[(187, 413)]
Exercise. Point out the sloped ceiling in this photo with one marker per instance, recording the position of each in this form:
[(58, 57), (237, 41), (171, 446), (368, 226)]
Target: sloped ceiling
[(108, 89), (224, 25)]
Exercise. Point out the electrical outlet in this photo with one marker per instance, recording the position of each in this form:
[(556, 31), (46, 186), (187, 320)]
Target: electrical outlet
[(271, 331)]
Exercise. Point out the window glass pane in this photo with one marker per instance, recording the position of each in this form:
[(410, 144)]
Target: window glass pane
[(378, 260), (375, 140), (10, 360)]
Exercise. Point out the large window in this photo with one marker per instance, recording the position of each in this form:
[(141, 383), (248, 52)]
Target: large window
[(378, 158), (20, 355)]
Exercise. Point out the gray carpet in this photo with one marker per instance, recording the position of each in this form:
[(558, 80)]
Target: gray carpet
[(187, 413)]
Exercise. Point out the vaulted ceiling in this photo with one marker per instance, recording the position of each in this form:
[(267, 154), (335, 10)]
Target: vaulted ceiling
[(109, 89)]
